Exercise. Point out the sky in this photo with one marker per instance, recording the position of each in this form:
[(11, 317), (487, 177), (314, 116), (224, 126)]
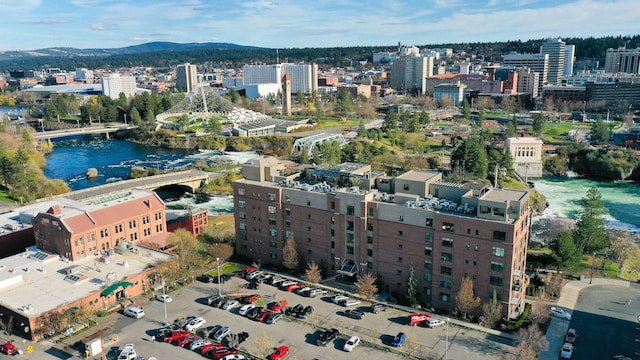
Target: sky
[(36, 24)]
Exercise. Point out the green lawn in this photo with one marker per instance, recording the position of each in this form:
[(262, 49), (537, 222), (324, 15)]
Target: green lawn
[(330, 123), (226, 268)]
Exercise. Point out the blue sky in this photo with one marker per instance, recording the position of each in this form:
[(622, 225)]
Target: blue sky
[(34, 24)]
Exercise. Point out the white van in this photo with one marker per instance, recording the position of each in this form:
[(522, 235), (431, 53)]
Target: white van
[(134, 312), (128, 353), (349, 302)]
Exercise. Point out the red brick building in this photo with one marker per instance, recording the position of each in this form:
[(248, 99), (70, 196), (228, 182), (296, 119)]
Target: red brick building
[(193, 221), (444, 231)]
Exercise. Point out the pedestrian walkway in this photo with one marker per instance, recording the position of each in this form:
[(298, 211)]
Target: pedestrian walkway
[(568, 299)]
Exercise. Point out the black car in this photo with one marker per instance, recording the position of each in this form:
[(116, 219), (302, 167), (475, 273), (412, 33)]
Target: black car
[(305, 312), (327, 336), (242, 337), (375, 308), (206, 278), (218, 302), (163, 332), (209, 331), (253, 285), (294, 311), (354, 314), (253, 313)]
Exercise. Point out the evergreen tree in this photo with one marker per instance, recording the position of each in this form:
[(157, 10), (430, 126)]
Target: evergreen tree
[(538, 124), (135, 116), (599, 132), (471, 156), (565, 252), (362, 131), (590, 231), (390, 122), (412, 291), (424, 117), (466, 110), (482, 116)]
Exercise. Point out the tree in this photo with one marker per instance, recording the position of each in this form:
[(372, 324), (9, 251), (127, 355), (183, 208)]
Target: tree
[(465, 299), (366, 286), (213, 126), (412, 291), (471, 157), (466, 110), (264, 345), (565, 253), (492, 311), (290, 254), (190, 260), (531, 341), (362, 131), (539, 313), (590, 231), (313, 273), (390, 122), (222, 251), (538, 124), (553, 284), (600, 132), (135, 116)]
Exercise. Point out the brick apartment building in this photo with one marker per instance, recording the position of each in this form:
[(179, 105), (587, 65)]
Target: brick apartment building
[(386, 225)]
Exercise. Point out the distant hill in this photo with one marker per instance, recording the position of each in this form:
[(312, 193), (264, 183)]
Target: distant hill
[(129, 50)]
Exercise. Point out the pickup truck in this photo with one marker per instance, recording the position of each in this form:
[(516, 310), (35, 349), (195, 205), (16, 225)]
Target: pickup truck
[(327, 336)]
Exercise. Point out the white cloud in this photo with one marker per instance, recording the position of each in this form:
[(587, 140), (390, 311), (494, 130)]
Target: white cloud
[(18, 6)]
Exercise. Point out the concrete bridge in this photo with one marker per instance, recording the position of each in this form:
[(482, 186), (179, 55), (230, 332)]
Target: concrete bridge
[(95, 129), (190, 180)]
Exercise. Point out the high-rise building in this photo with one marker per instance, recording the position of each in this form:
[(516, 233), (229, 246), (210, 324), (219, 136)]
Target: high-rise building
[(569, 59), (622, 60), (187, 78), (528, 81), (556, 49), (388, 226), (114, 84), (409, 73), (536, 62), (304, 77), (286, 95)]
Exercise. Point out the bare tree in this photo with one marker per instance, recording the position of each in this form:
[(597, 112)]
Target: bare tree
[(366, 286), (264, 345), (446, 101), (539, 312), (290, 254), (223, 251), (622, 246), (313, 272), (553, 284), (485, 102), (531, 341), (465, 299), (492, 311)]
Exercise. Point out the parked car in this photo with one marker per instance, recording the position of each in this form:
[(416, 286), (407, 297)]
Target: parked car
[(294, 311), (253, 313), (316, 292), (210, 330), (433, 322), (415, 319), (262, 317), (127, 353), (163, 332), (399, 340), (293, 287), (199, 344), (303, 290), (253, 285), (326, 336), (8, 348), (571, 336), (276, 281), (287, 283), (349, 302), (337, 298), (254, 274), (245, 309), (351, 344), (273, 318), (164, 298), (195, 323), (206, 278), (207, 348), (250, 298), (177, 335), (210, 299), (187, 340), (230, 304), (566, 351), (134, 312), (560, 313), (306, 312), (376, 308), (222, 352), (218, 302), (354, 314), (280, 353), (278, 306), (234, 357), (222, 333)]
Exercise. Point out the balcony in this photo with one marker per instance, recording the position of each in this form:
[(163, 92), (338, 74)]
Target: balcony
[(517, 273), (517, 286)]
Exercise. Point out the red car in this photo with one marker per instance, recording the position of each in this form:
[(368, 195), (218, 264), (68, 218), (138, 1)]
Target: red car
[(210, 347), (8, 348), (263, 315), (177, 335), (280, 353), (187, 340), (293, 287), (415, 319), (222, 352), (278, 306)]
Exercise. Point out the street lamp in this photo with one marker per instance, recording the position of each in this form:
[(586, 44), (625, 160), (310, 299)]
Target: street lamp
[(593, 259), (219, 289), (446, 342), (164, 300)]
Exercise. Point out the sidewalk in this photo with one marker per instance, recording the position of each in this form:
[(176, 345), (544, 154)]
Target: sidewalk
[(558, 327)]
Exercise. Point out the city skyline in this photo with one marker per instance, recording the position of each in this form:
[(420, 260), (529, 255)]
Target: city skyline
[(35, 24)]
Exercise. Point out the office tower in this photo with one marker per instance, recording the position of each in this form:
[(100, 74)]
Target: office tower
[(187, 78), (536, 62), (409, 73), (570, 56), (303, 77), (622, 60), (114, 84), (556, 49)]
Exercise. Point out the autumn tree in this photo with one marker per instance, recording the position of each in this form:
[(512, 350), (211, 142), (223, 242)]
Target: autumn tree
[(492, 311), (190, 259), (222, 251), (313, 272), (412, 290), (264, 345), (539, 313), (466, 302), (290, 254), (366, 286), (531, 341)]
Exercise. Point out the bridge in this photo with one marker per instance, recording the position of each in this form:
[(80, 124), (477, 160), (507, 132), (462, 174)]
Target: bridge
[(188, 179), (90, 130)]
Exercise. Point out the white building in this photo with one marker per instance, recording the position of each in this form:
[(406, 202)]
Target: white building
[(187, 78), (622, 60), (569, 59), (527, 156), (557, 51), (304, 77), (114, 84), (83, 74)]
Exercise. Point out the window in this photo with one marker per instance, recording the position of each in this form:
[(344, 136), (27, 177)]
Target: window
[(271, 197), (447, 242), (495, 280), (445, 256), (333, 205), (272, 221), (399, 246), (333, 244), (287, 211), (242, 215), (496, 251), (308, 228), (308, 239), (308, 203), (287, 223), (271, 209), (399, 272), (445, 283), (498, 294), (145, 219), (240, 191), (243, 236), (333, 219), (273, 255), (370, 211), (118, 228), (333, 232), (428, 264), (429, 223), (400, 233), (242, 226), (350, 250), (445, 270), (497, 266), (369, 227), (132, 224), (351, 238), (350, 226), (427, 277), (308, 216), (369, 252), (241, 204), (499, 235), (287, 199), (158, 215), (406, 186), (427, 291), (369, 239), (103, 234), (428, 237), (444, 297), (287, 234), (447, 226), (134, 236), (350, 210), (428, 250), (399, 259), (273, 244), (273, 233)]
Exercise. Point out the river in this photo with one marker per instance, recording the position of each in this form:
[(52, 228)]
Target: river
[(114, 159)]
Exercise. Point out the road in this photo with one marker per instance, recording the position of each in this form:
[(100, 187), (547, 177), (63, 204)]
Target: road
[(606, 326)]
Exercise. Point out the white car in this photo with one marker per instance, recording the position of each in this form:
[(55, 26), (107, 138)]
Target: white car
[(222, 333), (303, 290), (233, 357), (337, 298), (245, 309), (199, 344), (566, 351), (230, 304), (286, 283), (558, 312), (134, 312), (164, 298), (351, 343), (195, 323), (433, 322)]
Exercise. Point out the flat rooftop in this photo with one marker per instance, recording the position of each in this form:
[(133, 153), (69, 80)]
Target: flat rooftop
[(502, 195), (35, 282), (416, 175)]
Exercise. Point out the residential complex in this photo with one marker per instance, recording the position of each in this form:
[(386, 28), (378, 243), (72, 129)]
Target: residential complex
[(114, 84), (622, 60), (387, 226), (304, 77), (409, 73)]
